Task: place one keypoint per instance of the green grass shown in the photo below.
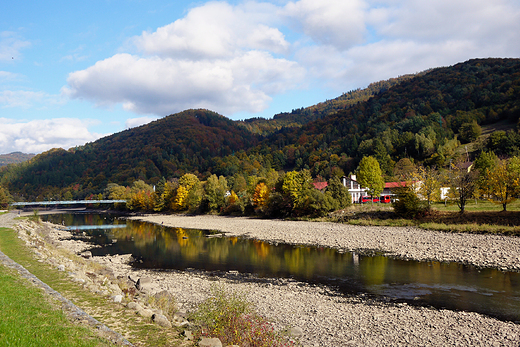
(479, 206)
(115, 316)
(28, 318)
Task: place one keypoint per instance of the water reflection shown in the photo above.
(452, 285)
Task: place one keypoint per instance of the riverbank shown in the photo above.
(324, 317)
(481, 250)
(328, 319)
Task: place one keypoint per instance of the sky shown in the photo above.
(72, 72)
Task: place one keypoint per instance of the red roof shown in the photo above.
(320, 185)
(395, 184)
(398, 184)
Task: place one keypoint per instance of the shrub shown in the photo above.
(231, 318)
(408, 203)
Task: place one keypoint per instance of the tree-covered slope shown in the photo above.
(14, 158)
(424, 118)
(301, 116)
(416, 118)
(168, 147)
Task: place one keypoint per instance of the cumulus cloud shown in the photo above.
(39, 135)
(237, 58)
(330, 22)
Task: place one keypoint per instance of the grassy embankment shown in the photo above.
(479, 217)
(27, 318)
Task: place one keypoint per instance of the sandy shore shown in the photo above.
(329, 319)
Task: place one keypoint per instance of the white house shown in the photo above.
(355, 190)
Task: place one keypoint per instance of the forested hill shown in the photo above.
(425, 117)
(417, 118)
(301, 116)
(14, 158)
(168, 147)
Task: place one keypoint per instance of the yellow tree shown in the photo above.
(504, 182)
(261, 196)
(186, 184)
(179, 203)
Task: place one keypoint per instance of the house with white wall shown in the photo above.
(354, 188)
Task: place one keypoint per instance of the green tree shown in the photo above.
(485, 162)
(297, 185)
(469, 132)
(504, 181)
(339, 193)
(215, 193)
(463, 182)
(428, 184)
(5, 198)
(369, 176)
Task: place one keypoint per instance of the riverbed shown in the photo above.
(325, 317)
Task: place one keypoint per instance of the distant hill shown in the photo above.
(419, 117)
(14, 158)
(302, 116)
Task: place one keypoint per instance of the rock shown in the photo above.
(161, 320)
(61, 267)
(118, 298)
(146, 313)
(210, 342)
(296, 332)
(179, 321)
(134, 306)
(86, 254)
(188, 335)
(144, 283)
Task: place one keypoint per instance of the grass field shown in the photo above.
(29, 318)
(479, 217)
(19, 325)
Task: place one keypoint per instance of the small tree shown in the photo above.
(504, 181)
(429, 184)
(463, 182)
(5, 198)
(339, 193)
(369, 175)
(261, 196)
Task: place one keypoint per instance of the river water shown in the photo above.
(442, 285)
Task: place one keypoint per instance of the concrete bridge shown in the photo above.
(66, 203)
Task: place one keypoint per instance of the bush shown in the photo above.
(232, 319)
(408, 203)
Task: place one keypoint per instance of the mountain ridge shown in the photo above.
(420, 117)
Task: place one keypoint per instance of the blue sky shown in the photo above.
(72, 72)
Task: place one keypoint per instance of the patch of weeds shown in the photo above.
(231, 318)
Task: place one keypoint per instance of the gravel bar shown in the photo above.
(481, 250)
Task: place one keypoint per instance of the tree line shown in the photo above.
(273, 195)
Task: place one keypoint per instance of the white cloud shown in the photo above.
(163, 86)
(135, 122)
(39, 135)
(219, 57)
(330, 22)
(10, 45)
(237, 58)
(27, 99)
(215, 30)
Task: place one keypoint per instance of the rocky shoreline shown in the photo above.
(321, 316)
